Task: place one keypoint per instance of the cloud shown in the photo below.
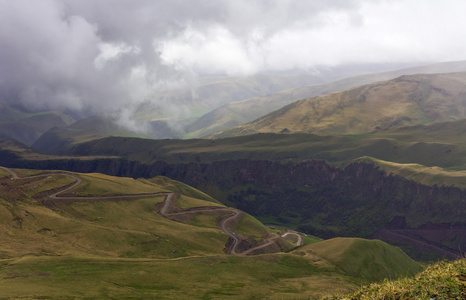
(91, 56)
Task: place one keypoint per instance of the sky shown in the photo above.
(95, 56)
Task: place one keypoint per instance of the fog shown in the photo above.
(96, 56)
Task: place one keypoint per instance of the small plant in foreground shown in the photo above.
(443, 280)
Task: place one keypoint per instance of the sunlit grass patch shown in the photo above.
(443, 280)
(185, 202)
(251, 226)
(208, 277)
(100, 184)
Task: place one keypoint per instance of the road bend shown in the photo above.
(224, 225)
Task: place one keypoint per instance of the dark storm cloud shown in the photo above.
(94, 56)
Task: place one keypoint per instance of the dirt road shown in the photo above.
(226, 224)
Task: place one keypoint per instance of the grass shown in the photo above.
(443, 280)
(216, 277)
(179, 187)
(47, 183)
(309, 239)
(100, 184)
(404, 101)
(370, 259)
(125, 249)
(421, 174)
(185, 202)
(251, 226)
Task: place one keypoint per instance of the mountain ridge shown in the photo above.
(405, 101)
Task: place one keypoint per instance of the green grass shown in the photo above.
(309, 239)
(125, 249)
(100, 184)
(179, 187)
(434, 145)
(443, 280)
(48, 183)
(185, 202)
(419, 173)
(370, 259)
(216, 277)
(251, 226)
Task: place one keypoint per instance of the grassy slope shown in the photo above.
(240, 112)
(134, 252)
(374, 260)
(213, 92)
(439, 144)
(443, 280)
(407, 100)
(28, 127)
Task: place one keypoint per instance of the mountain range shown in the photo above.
(362, 163)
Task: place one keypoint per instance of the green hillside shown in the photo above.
(438, 144)
(241, 112)
(60, 248)
(371, 259)
(404, 101)
(444, 280)
(27, 127)
(208, 93)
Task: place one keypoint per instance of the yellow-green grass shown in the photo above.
(122, 228)
(310, 239)
(100, 184)
(28, 172)
(216, 277)
(421, 174)
(4, 173)
(370, 259)
(204, 220)
(126, 228)
(408, 100)
(124, 248)
(185, 202)
(251, 226)
(41, 184)
(139, 218)
(443, 280)
(179, 187)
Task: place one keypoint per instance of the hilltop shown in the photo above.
(244, 111)
(404, 101)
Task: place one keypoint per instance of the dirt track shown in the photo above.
(226, 223)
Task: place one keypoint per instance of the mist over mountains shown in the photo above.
(269, 149)
(84, 59)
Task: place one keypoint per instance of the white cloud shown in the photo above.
(98, 56)
(215, 50)
(110, 51)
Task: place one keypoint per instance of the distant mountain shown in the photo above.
(27, 127)
(240, 112)
(94, 128)
(404, 101)
(213, 92)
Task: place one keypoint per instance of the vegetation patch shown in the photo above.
(251, 226)
(370, 259)
(443, 280)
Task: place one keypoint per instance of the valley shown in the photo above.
(62, 231)
(377, 171)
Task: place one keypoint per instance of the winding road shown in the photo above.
(225, 224)
(231, 215)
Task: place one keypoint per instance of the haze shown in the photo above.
(92, 57)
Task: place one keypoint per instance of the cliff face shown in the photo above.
(317, 198)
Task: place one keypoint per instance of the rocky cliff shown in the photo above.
(315, 197)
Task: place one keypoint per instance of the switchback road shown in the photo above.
(226, 224)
